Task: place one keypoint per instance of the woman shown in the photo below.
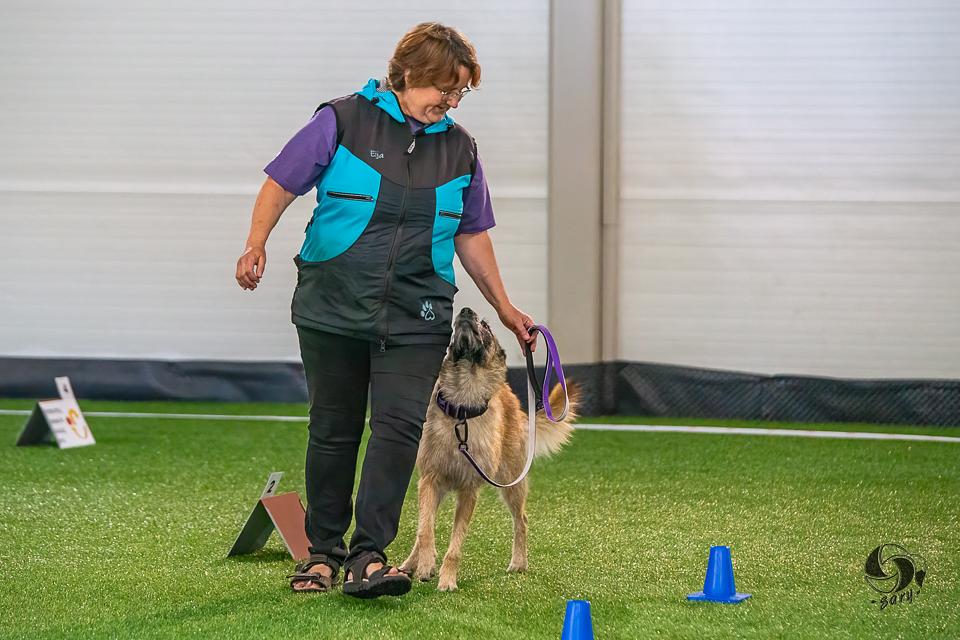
(400, 188)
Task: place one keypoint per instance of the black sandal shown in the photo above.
(303, 574)
(377, 583)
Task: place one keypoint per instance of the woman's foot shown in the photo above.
(373, 566)
(369, 577)
(322, 582)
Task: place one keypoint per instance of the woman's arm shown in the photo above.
(475, 251)
(271, 202)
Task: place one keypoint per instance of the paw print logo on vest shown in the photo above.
(426, 311)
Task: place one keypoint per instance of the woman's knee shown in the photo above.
(336, 426)
(396, 430)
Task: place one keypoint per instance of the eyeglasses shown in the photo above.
(447, 96)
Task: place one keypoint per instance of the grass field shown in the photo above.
(128, 538)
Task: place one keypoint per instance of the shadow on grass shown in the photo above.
(262, 556)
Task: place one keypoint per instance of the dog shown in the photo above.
(474, 374)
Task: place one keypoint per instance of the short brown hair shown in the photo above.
(432, 53)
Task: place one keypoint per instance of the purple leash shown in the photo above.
(553, 366)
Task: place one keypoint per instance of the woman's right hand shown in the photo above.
(271, 203)
(250, 267)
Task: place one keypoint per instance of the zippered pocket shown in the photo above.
(450, 214)
(359, 197)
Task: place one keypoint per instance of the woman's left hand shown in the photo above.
(520, 323)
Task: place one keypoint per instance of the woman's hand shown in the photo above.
(250, 267)
(520, 323)
(271, 202)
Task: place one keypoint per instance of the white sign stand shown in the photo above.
(57, 420)
(283, 512)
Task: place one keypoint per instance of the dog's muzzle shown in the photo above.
(467, 340)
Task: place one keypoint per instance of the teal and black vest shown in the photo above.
(377, 260)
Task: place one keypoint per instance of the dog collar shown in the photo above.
(460, 412)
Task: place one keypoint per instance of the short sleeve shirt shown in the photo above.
(301, 162)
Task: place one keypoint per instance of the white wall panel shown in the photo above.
(790, 185)
(132, 142)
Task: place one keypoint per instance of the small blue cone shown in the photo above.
(718, 585)
(577, 624)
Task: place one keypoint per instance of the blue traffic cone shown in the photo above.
(577, 624)
(718, 585)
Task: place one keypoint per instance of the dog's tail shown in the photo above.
(551, 436)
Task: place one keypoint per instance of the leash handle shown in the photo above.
(554, 367)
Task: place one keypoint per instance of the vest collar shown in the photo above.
(459, 412)
(387, 100)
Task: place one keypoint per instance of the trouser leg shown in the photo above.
(401, 384)
(337, 370)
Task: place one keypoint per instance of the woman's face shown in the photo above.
(428, 104)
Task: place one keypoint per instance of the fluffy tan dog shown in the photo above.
(474, 374)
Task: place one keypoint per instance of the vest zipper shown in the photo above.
(393, 248)
(350, 196)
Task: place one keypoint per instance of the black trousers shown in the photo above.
(339, 371)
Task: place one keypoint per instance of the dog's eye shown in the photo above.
(483, 323)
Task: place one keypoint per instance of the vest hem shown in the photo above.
(398, 339)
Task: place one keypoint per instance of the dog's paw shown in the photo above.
(426, 572)
(447, 584)
(517, 567)
(409, 565)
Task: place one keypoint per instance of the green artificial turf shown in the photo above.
(128, 538)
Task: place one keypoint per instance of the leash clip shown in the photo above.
(462, 437)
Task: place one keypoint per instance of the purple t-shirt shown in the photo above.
(299, 165)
